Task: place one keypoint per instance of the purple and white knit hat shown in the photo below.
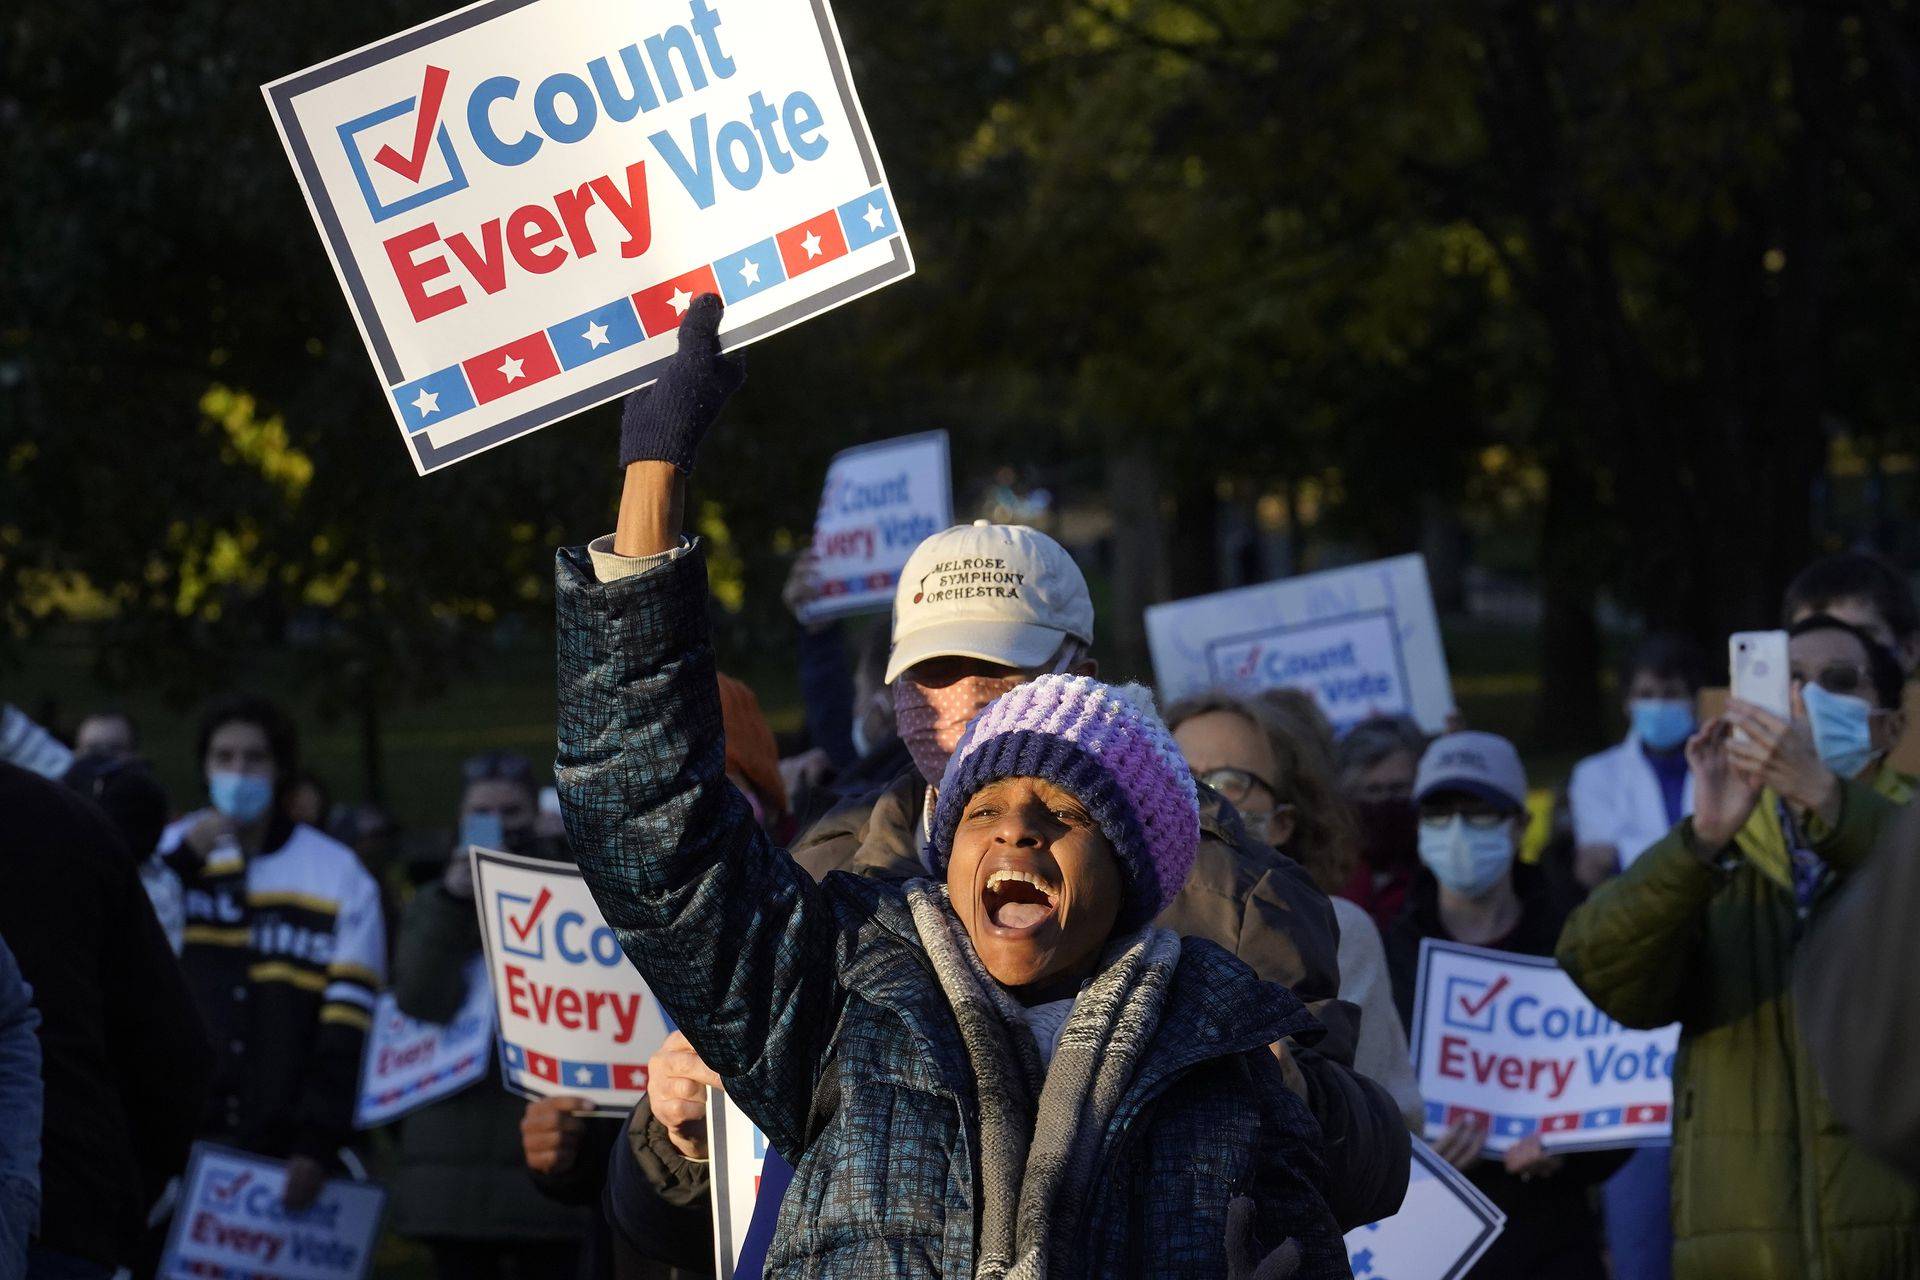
(1107, 746)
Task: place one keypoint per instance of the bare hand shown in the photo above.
(207, 831)
(677, 1083)
(1527, 1159)
(1460, 1145)
(1723, 797)
(1780, 754)
(1290, 1069)
(550, 1133)
(457, 879)
(803, 586)
(808, 769)
(305, 1177)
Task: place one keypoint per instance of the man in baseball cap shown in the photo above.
(984, 608)
(980, 609)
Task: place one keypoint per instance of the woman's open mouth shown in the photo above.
(1019, 901)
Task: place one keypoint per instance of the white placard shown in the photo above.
(574, 1017)
(880, 501)
(1442, 1228)
(739, 1152)
(521, 197)
(1507, 1041)
(230, 1222)
(1364, 641)
(409, 1063)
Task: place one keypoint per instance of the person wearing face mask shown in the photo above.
(1622, 801)
(284, 948)
(460, 1187)
(1627, 797)
(1471, 790)
(1375, 762)
(1706, 930)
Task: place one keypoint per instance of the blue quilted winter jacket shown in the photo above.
(819, 1008)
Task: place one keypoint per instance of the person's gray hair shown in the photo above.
(1371, 741)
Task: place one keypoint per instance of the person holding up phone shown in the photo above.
(1703, 930)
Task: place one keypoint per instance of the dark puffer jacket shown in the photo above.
(820, 1009)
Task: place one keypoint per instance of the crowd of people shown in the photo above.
(1021, 973)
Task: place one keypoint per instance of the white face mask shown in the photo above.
(1466, 859)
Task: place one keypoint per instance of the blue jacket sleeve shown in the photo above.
(738, 943)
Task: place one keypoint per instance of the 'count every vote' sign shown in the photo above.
(522, 198)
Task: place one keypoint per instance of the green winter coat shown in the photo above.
(1766, 1183)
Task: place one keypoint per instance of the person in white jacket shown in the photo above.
(1623, 800)
(1634, 792)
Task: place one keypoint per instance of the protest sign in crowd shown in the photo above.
(1001, 969)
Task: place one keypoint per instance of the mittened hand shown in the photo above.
(667, 421)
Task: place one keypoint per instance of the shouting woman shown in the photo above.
(999, 1070)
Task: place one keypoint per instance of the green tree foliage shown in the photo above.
(1651, 254)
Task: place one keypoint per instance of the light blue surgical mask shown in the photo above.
(1661, 723)
(240, 796)
(483, 829)
(1466, 859)
(1842, 730)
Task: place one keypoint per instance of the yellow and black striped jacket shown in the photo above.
(284, 951)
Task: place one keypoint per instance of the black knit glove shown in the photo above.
(667, 421)
(1243, 1254)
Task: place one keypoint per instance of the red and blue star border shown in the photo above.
(648, 313)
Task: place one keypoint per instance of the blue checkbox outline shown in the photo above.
(1474, 986)
(506, 938)
(457, 181)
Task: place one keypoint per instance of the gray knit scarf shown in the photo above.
(1037, 1158)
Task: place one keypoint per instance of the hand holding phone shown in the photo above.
(1762, 673)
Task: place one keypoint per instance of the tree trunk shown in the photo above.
(1568, 712)
(1139, 560)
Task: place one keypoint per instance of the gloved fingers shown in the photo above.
(700, 327)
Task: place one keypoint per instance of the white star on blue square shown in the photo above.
(753, 269)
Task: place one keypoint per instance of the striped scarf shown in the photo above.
(1041, 1131)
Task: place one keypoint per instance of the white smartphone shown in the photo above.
(1762, 674)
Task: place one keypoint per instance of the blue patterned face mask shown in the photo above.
(1661, 723)
(1842, 730)
(240, 796)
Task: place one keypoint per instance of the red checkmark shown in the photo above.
(524, 926)
(428, 115)
(1475, 1008)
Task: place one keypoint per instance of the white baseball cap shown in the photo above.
(998, 592)
(1480, 764)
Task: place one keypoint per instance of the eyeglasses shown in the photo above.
(1479, 819)
(1237, 784)
(1260, 825)
(1838, 677)
(502, 766)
